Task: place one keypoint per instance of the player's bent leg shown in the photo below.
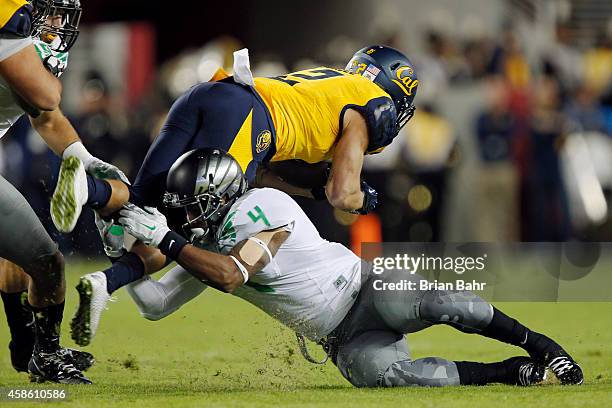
(382, 359)
(469, 313)
(158, 299)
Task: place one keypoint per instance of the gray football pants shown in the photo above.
(371, 346)
(23, 239)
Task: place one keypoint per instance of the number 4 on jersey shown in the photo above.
(256, 214)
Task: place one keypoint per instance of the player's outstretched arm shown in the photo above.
(223, 272)
(343, 189)
(28, 78)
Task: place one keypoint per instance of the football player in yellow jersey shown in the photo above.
(313, 115)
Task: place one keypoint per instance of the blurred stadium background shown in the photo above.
(511, 140)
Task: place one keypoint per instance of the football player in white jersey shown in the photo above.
(35, 37)
(268, 252)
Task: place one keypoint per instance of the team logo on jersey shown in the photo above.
(263, 141)
(404, 80)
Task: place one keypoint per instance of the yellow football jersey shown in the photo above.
(307, 108)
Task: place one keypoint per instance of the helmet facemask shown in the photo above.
(405, 112)
(57, 22)
(201, 213)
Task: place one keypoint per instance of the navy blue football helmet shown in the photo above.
(393, 72)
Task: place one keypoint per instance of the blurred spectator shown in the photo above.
(497, 199)
(545, 215)
(585, 112)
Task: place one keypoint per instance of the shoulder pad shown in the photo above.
(20, 21)
(381, 119)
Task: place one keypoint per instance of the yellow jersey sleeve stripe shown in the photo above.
(242, 146)
(8, 8)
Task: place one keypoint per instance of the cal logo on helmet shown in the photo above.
(404, 79)
(263, 141)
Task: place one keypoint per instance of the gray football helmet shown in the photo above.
(204, 183)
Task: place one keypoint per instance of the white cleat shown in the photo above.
(70, 194)
(93, 298)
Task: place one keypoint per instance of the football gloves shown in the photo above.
(112, 236)
(370, 199)
(147, 225)
(94, 166)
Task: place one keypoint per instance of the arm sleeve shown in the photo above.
(11, 46)
(158, 299)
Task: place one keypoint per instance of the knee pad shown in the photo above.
(463, 310)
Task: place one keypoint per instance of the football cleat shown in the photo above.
(524, 371)
(93, 298)
(70, 194)
(81, 360)
(564, 367)
(53, 367)
(112, 236)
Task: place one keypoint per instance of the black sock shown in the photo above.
(127, 269)
(99, 192)
(509, 330)
(19, 318)
(472, 373)
(47, 325)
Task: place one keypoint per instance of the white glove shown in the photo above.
(148, 226)
(103, 170)
(93, 165)
(55, 62)
(112, 236)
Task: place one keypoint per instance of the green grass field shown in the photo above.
(221, 351)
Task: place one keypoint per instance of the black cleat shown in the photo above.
(524, 371)
(53, 367)
(564, 367)
(81, 360)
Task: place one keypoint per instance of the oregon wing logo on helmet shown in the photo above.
(393, 72)
(204, 183)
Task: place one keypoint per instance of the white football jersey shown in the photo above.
(9, 110)
(311, 283)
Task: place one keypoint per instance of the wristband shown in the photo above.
(241, 268)
(79, 151)
(172, 244)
